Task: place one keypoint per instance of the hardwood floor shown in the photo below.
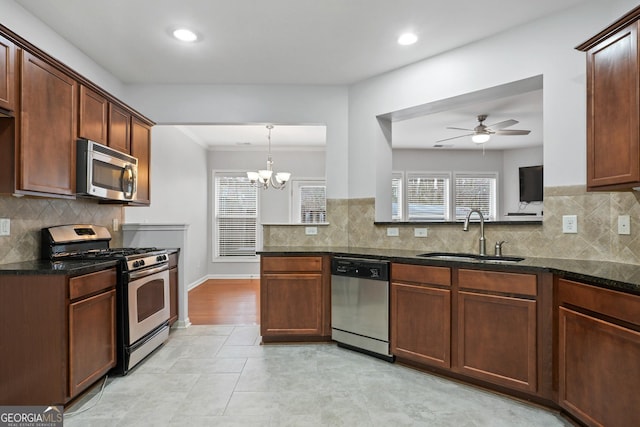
(225, 302)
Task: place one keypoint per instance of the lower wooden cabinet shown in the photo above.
(421, 314)
(59, 333)
(294, 298)
(598, 354)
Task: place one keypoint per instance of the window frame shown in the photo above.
(296, 200)
(494, 202)
(447, 196)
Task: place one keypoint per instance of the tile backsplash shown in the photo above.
(597, 237)
(29, 214)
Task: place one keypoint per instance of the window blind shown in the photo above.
(396, 197)
(236, 207)
(475, 192)
(427, 197)
(313, 203)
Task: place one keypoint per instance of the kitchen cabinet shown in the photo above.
(598, 354)
(47, 130)
(61, 334)
(421, 314)
(92, 329)
(141, 149)
(173, 288)
(295, 298)
(92, 117)
(613, 112)
(7, 75)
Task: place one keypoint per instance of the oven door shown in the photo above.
(148, 301)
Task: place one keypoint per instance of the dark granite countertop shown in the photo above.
(40, 267)
(612, 275)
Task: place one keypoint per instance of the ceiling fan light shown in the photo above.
(480, 138)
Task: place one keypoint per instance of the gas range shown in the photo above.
(91, 242)
(142, 291)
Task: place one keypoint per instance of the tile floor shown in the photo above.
(222, 376)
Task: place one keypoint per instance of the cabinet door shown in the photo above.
(497, 339)
(291, 304)
(119, 129)
(613, 112)
(421, 324)
(47, 129)
(599, 370)
(92, 117)
(7, 74)
(141, 149)
(92, 340)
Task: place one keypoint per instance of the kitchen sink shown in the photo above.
(454, 256)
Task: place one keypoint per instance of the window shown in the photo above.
(476, 191)
(236, 216)
(434, 196)
(397, 200)
(309, 201)
(427, 196)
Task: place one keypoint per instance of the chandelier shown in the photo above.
(266, 177)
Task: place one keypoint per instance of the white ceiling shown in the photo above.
(278, 41)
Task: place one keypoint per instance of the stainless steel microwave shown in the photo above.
(104, 172)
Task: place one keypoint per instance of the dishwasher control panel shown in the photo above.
(373, 269)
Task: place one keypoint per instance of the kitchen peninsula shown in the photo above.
(520, 328)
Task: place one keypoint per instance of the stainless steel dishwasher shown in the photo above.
(360, 305)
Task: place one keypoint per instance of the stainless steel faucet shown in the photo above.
(465, 227)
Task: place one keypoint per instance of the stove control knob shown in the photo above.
(136, 264)
(161, 258)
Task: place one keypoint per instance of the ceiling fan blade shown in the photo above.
(455, 137)
(513, 132)
(469, 130)
(504, 124)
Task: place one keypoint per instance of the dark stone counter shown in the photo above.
(43, 267)
(612, 275)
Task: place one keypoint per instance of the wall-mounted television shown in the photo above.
(531, 183)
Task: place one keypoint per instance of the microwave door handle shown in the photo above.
(128, 181)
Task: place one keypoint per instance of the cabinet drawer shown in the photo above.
(618, 305)
(291, 264)
(421, 274)
(494, 281)
(91, 283)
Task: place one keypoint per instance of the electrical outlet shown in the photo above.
(311, 231)
(5, 227)
(393, 232)
(569, 223)
(420, 232)
(116, 224)
(624, 224)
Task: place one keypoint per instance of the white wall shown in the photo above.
(179, 195)
(21, 22)
(543, 47)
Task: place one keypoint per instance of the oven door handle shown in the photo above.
(142, 273)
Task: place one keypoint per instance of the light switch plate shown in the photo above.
(5, 227)
(420, 232)
(624, 224)
(569, 223)
(311, 231)
(393, 231)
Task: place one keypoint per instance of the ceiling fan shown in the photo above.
(482, 133)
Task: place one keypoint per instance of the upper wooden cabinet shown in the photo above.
(119, 129)
(7, 74)
(47, 131)
(613, 110)
(141, 149)
(92, 117)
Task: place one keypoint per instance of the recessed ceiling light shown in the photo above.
(407, 38)
(185, 35)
